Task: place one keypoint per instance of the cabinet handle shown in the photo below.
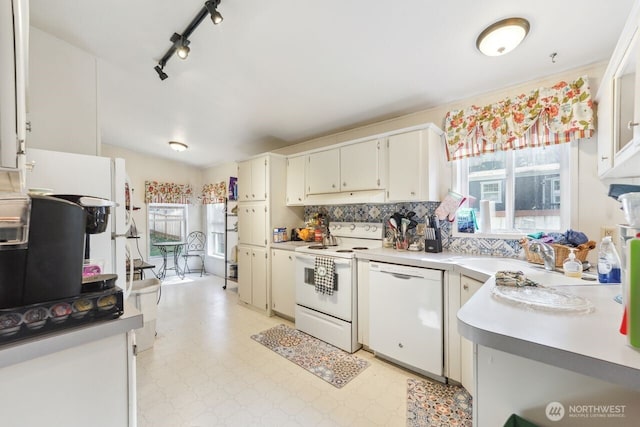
(632, 124)
(254, 254)
(604, 157)
(333, 186)
(253, 195)
(299, 199)
(465, 287)
(344, 184)
(413, 193)
(290, 257)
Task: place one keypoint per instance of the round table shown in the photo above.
(166, 247)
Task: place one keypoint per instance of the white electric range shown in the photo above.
(333, 317)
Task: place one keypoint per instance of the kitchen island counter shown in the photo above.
(69, 375)
(43, 345)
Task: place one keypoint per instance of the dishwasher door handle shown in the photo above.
(401, 275)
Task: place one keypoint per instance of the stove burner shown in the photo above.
(360, 248)
(344, 250)
(317, 247)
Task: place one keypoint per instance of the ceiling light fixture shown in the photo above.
(212, 7)
(178, 146)
(183, 49)
(181, 42)
(160, 72)
(503, 36)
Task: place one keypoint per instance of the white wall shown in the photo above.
(62, 102)
(141, 168)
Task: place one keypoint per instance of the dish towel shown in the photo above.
(323, 272)
(514, 278)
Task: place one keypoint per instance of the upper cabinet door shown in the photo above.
(414, 166)
(323, 172)
(405, 152)
(360, 166)
(259, 178)
(252, 179)
(295, 180)
(244, 181)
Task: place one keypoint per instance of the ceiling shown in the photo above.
(278, 72)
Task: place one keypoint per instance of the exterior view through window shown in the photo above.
(216, 227)
(167, 223)
(523, 186)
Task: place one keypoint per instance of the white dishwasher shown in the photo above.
(406, 316)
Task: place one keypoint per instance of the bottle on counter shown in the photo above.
(632, 300)
(571, 266)
(609, 265)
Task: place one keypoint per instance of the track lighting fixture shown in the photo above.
(181, 42)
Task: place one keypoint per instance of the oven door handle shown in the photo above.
(312, 258)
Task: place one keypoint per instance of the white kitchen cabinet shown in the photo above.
(414, 165)
(295, 180)
(14, 30)
(468, 287)
(256, 221)
(252, 179)
(360, 166)
(252, 224)
(323, 172)
(252, 271)
(283, 289)
(619, 106)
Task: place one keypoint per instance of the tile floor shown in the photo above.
(205, 370)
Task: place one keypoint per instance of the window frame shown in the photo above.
(568, 192)
(184, 222)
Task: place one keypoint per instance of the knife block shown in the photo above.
(434, 245)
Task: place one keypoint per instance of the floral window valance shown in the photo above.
(546, 116)
(214, 193)
(167, 192)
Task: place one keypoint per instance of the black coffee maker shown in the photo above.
(41, 249)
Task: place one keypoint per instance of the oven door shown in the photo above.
(340, 303)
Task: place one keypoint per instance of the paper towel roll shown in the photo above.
(485, 216)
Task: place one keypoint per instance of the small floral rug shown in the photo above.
(333, 365)
(434, 404)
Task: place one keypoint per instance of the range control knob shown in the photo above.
(375, 228)
(367, 227)
(352, 227)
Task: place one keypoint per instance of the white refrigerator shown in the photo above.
(69, 173)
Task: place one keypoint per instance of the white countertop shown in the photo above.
(586, 343)
(290, 245)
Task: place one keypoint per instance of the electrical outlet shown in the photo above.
(609, 231)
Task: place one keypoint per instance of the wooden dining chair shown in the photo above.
(195, 247)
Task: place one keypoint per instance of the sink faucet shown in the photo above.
(547, 253)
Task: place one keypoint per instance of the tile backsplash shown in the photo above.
(381, 212)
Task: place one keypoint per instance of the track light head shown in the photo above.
(183, 48)
(216, 17)
(211, 6)
(160, 72)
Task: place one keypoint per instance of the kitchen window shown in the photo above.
(529, 189)
(167, 223)
(216, 228)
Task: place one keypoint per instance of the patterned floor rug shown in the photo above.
(434, 404)
(333, 365)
